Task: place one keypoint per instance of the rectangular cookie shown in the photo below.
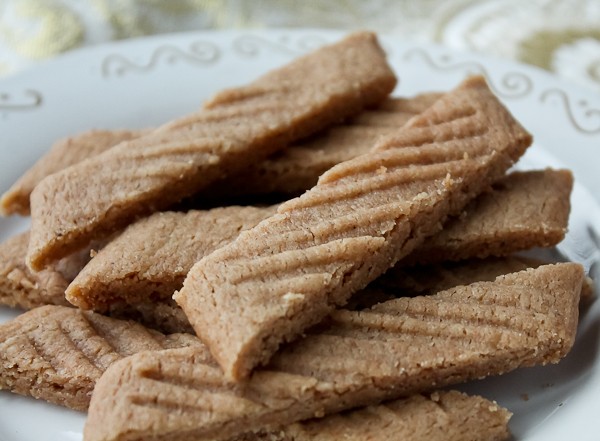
(22, 288)
(423, 280)
(131, 262)
(104, 193)
(291, 270)
(57, 354)
(296, 169)
(524, 207)
(440, 416)
(25, 289)
(167, 316)
(290, 171)
(63, 153)
(395, 349)
(151, 258)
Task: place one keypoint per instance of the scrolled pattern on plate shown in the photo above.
(512, 84)
(28, 100)
(198, 53)
(588, 113)
(574, 383)
(252, 45)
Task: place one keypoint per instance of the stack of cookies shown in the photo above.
(371, 264)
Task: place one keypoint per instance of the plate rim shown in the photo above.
(88, 50)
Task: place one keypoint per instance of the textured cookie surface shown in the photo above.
(57, 353)
(527, 208)
(365, 214)
(296, 169)
(288, 172)
(441, 416)
(429, 279)
(395, 349)
(62, 154)
(150, 259)
(239, 126)
(65, 371)
(131, 261)
(22, 288)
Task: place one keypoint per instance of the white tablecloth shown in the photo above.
(558, 35)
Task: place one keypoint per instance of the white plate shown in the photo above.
(145, 82)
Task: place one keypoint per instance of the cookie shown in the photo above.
(395, 349)
(511, 210)
(57, 354)
(296, 169)
(25, 289)
(402, 281)
(150, 259)
(63, 153)
(288, 172)
(65, 370)
(22, 288)
(291, 270)
(134, 267)
(440, 416)
(237, 127)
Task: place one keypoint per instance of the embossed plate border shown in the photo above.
(144, 82)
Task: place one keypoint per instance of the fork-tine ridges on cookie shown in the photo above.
(428, 279)
(117, 272)
(296, 169)
(395, 349)
(166, 316)
(365, 214)
(57, 353)
(63, 153)
(436, 414)
(151, 258)
(288, 172)
(239, 126)
(440, 416)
